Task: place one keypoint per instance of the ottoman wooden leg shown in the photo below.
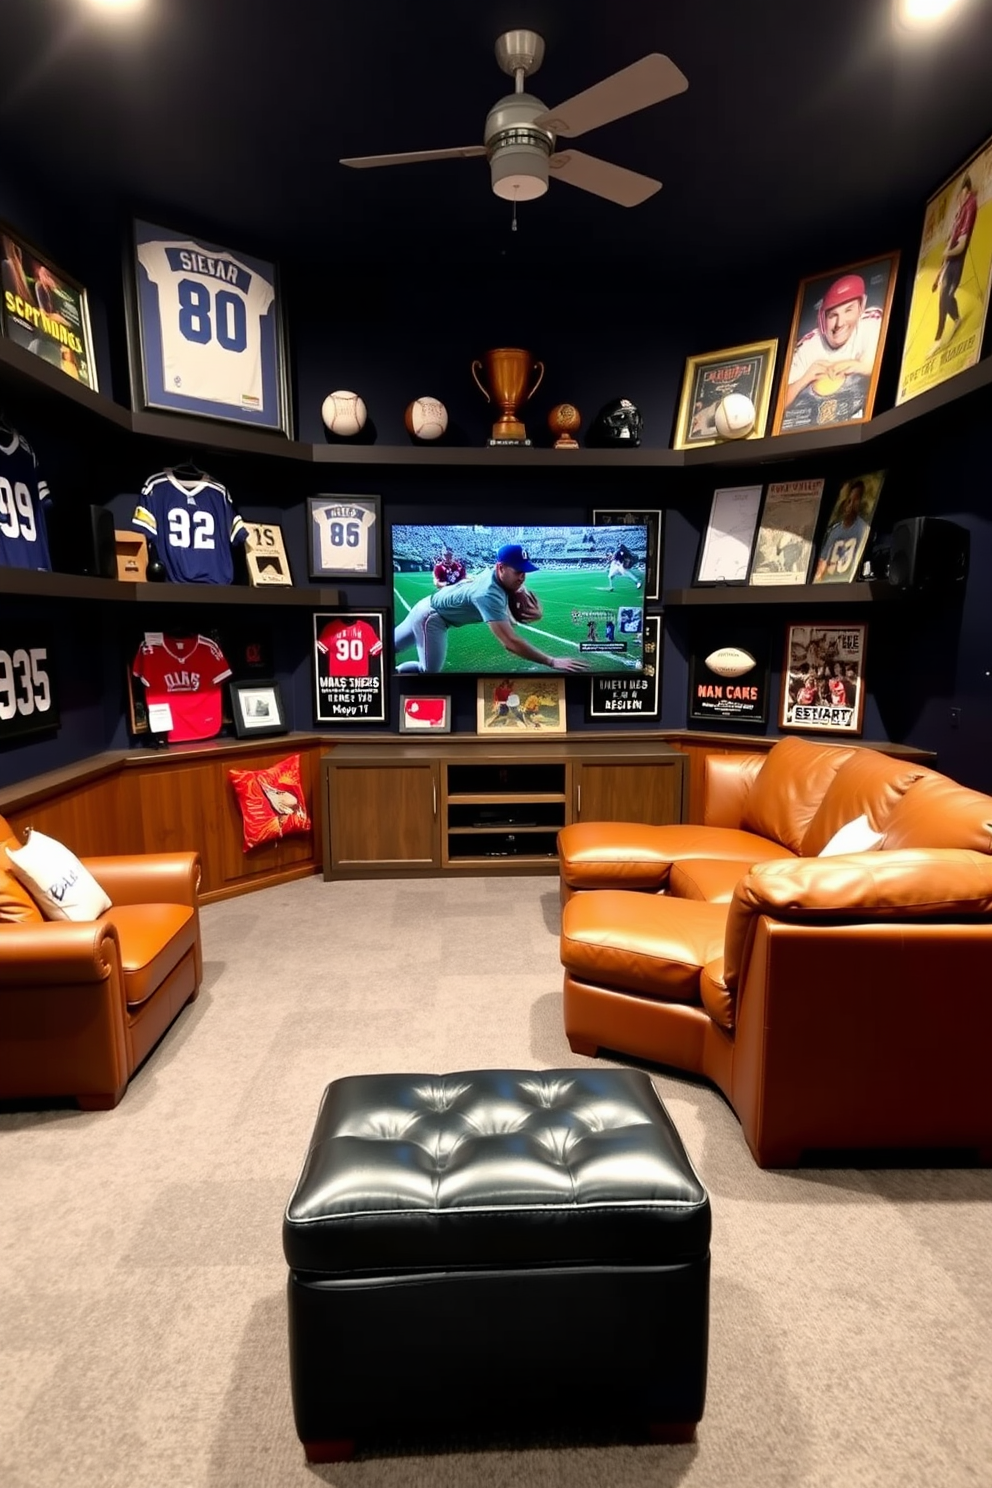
(672, 1433)
(338, 1449)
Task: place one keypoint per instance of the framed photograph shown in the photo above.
(44, 309)
(256, 708)
(349, 667)
(953, 279)
(425, 715)
(265, 555)
(848, 526)
(784, 546)
(651, 561)
(635, 696)
(344, 537)
(709, 379)
(725, 552)
(728, 674)
(28, 696)
(517, 706)
(834, 354)
(205, 330)
(823, 678)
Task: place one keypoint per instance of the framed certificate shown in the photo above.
(205, 330)
(344, 537)
(725, 552)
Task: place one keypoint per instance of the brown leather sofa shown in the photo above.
(83, 1003)
(838, 1003)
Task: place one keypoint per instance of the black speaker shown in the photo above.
(81, 539)
(928, 553)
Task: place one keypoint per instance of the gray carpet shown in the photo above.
(142, 1311)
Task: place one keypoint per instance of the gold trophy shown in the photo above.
(564, 420)
(508, 370)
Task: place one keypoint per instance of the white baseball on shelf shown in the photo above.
(426, 418)
(734, 416)
(730, 661)
(343, 413)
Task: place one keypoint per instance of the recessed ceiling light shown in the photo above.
(115, 5)
(918, 13)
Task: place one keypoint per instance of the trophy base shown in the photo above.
(491, 443)
(565, 441)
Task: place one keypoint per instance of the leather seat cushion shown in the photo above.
(630, 855)
(937, 812)
(654, 946)
(154, 939)
(710, 879)
(868, 784)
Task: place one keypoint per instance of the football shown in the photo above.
(525, 606)
(343, 413)
(734, 416)
(426, 418)
(730, 661)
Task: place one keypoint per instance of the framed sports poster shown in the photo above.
(205, 330)
(649, 561)
(784, 545)
(848, 525)
(823, 678)
(344, 537)
(265, 555)
(28, 701)
(709, 379)
(834, 353)
(349, 667)
(515, 706)
(637, 695)
(725, 552)
(44, 309)
(425, 715)
(953, 278)
(728, 674)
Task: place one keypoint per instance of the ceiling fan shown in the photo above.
(521, 133)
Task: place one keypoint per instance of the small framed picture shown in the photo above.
(265, 555)
(205, 330)
(725, 552)
(709, 379)
(44, 309)
(344, 537)
(784, 547)
(349, 666)
(650, 562)
(835, 347)
(639, 694)
(823, 678)
(728, 674)
(515, 707)
(848, 526)
(425, 715)
(257, 709)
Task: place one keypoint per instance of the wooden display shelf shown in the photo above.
(828, 595)
(31, 581)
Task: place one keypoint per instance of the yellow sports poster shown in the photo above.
(951, 288)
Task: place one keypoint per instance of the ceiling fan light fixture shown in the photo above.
(520, 172)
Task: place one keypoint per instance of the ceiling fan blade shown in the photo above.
(651, 80)
(602, 178)
(414, 157)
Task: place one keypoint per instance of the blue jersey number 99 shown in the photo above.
(228, 321)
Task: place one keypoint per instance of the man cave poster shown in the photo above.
(728, 676)
(348, 662)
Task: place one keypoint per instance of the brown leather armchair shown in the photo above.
(83, 1003)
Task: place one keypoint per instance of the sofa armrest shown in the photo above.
(148, 878)
(58, 952)
(727, 780)
(911, 884)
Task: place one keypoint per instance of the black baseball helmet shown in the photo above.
(617, 422)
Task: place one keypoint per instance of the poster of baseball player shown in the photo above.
(834, 352)
(823, 678)
(953, 276)
(349, 667)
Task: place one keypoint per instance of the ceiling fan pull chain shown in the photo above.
(513, 224)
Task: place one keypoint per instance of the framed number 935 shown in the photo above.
(28, 701)
(344, 537)
(205, 330)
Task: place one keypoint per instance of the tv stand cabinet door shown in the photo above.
(382, 819)
(649, 791)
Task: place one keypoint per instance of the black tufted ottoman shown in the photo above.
(504, 1250)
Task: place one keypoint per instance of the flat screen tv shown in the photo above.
(449, 585)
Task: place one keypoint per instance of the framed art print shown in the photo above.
(834, 353)
(709, 379)
(425, 715)
(725, 551)
(823, 678)
(265, 555)
(206, 332)
(784, 545)
(651, 560)
(344, 537)
(848, 525)
(44, 309)
(257, 709)
(637, 695)
(728, 674)
(514, 707)
(950, 297)
(349, 667)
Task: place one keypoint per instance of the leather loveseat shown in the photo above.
(83, 1002)
(838, 1002)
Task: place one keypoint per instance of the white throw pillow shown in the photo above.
(854, 837)
(55, 878)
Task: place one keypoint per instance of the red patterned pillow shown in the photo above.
(272, 802)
